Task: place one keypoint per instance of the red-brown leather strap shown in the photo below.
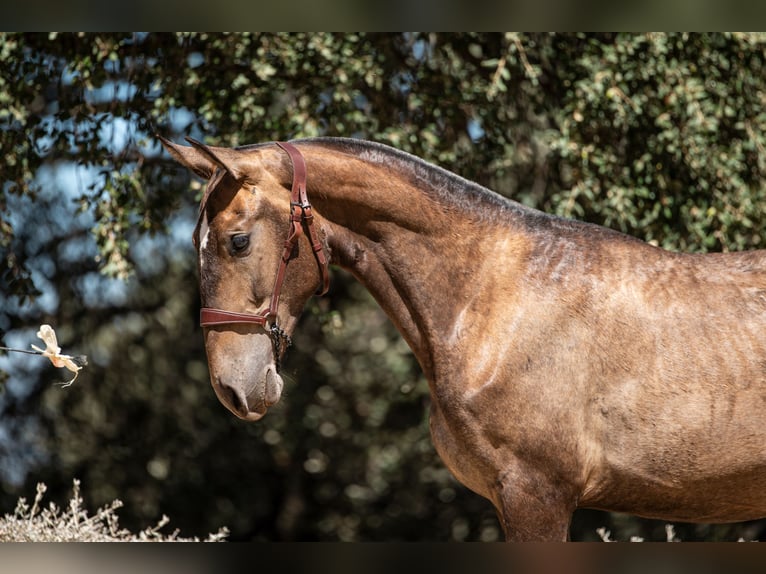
(299, 198)
(209, 316)
(300, 214)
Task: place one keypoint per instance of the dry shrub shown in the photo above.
(54, 524)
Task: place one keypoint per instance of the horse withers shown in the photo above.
(569, 365)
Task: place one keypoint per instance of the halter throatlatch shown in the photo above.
(301, 219)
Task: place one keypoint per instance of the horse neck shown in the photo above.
(422, 260)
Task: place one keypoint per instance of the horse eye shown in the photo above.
(240, 242)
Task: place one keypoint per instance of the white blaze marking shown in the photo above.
(205, 233)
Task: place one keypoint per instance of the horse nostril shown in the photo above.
(232, 399)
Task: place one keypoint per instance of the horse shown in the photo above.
(569, 365)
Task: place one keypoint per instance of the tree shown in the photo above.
(660, 136)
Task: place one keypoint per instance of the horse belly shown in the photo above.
(691, 449)
(730, 497)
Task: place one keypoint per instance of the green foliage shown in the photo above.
(663, 137)
(658, 135)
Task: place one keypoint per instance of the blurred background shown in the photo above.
(662, 136)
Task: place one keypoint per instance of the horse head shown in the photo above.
(251, 297)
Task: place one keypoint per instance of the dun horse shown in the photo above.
(569, 365)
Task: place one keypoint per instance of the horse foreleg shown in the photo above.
(532, 508)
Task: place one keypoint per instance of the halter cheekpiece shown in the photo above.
(301, 221)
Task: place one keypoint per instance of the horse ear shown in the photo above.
(190, 157)
(204, 159)
(224, 158)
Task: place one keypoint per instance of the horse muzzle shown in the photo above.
(250, 400)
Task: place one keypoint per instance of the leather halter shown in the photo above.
(300, 218)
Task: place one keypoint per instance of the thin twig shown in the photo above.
(531, 73)
(496, 78)
(21, 351)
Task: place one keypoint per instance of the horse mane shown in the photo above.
(446, 187)
(457, 192)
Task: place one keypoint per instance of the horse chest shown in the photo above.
(462, 453)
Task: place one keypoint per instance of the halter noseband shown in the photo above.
(300, 217)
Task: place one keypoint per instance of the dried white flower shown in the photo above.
(53, 352)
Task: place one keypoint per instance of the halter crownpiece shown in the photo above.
(300, 217)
